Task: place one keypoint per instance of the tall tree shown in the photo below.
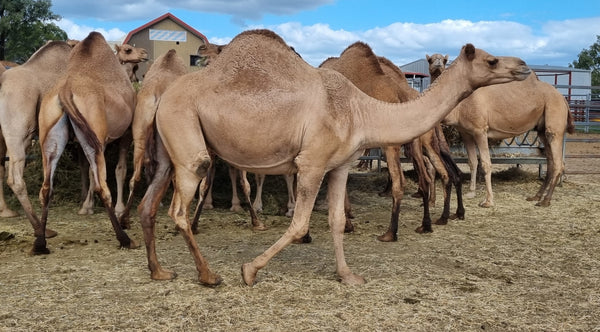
(25, 25)
(590, 59)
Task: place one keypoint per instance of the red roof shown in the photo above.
(163, 17)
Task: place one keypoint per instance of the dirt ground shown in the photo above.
(512, 267)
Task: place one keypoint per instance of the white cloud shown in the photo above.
(79, 32)
(558, 43)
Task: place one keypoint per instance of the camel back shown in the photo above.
(258, 61)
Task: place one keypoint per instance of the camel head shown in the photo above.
(484, 69)
(127, 53)
(208, 53)
(437, 64)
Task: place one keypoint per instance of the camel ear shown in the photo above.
(469, 50)
(446, 58)
(117, 48)
(427, 57)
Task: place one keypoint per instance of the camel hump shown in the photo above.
(262, 33)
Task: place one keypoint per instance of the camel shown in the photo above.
(508, 110)
(96, 100)
(127, 56)
(380, 78)
(323, 124)
(208, 53)
(428, 151)
(21, 90)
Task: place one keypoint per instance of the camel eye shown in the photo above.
(493, 62)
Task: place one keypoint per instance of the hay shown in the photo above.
(513, 267)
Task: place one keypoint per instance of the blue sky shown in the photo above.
(541, 32)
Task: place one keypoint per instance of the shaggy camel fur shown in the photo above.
(508, 110)
(96, 100)
(323, 124)
(21, 90)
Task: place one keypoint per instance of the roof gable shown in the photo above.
(162, 18)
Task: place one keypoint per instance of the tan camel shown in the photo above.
(21, 90)
(323, 124)
(508, 110)
(96, 100)
(127, 55)
(208, 53)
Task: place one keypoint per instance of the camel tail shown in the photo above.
(66, 99)
(570, 120)
(453, 171)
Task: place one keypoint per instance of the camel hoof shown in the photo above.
(470, 194)
(349, 227)
(418, 194)
(424, 229)
(8, 213)
(259, 227)
(388, 237)
(85, 211)
(162, 274)
(212, 280)
(50, 233)
(533, 198)
(236, 208)
(207, 206)
(305, 239)
(486, 204)
(441, 221)
(289, 213)
(352, 279)
(131, 245)
(39, 251)
(249, 273)
(543, 203)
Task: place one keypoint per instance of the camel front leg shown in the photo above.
(471, 148)
(122, 210)
(257, 224)
(398, 182)
(289, 182)
(5, 212)
(308, 187)
(236, 205)
(336, 189)
(260, 181)
(486, 165)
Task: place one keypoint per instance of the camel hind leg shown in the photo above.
(148, 208)
(98, 169)
(186, 183)
(555, 166)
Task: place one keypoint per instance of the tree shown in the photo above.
(25, 26)
(590, 59)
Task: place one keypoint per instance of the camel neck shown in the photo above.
(399, 123)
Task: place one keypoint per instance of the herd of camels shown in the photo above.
(320, 120)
